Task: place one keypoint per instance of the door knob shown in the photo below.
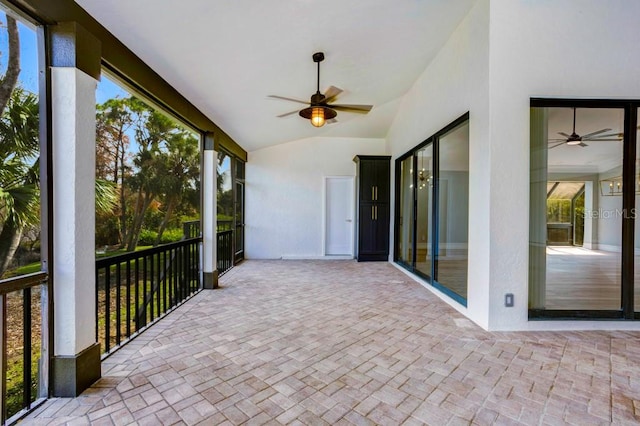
(348, 220)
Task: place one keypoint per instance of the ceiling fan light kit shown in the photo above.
(320, 110)
(318, 115)
(575, 139)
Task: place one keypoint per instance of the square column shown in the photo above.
(76, 361)
(209, 214)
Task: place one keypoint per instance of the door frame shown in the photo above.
(627, 309)
(352, 210)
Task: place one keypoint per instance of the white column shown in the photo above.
(73, 119)
(209, 214)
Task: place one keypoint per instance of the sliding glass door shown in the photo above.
(424, 200)
(432, 182)
(583, 190)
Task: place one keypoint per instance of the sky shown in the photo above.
(107, 89)
(28, 78)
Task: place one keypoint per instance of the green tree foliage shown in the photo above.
(158, 182)
(19, 172)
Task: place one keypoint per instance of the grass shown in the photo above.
(36, 266)
(119, 252)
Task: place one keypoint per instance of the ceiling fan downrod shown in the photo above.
(317, 58)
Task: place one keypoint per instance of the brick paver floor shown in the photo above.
(341, 342)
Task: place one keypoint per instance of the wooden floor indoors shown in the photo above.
(579, 278)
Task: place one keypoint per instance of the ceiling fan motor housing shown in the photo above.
(317, 98)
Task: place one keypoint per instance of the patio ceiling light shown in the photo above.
(318, 114)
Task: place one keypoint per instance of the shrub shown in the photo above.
(170, 235)
(147, 237)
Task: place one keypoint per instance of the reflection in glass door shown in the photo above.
(424, 199)
(405, 220)
(453, 209)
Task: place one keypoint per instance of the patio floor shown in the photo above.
(341, 342)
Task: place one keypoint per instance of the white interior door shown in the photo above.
(339, 205)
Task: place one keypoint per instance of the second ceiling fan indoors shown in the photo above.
(575, 139)
(320, 109)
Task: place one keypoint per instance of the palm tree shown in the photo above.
(19, 172)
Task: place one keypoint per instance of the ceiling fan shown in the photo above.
(575, 139)
(320, 109)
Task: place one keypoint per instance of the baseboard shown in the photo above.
(210, 280)
(310, 257)
(73, 374)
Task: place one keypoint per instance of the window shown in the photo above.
(147, 173)
(23, 231)
(584, 181)
(432, 183)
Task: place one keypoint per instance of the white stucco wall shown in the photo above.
(555, 49)
(504, 53)
(456, 82)
(284, 193)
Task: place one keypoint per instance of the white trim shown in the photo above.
(312, 257)
(609, 248)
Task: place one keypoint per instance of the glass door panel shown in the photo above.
(576, 170)
(453, 209)
(405, 230)
(424, 197)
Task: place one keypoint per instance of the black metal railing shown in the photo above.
(224, 225)
(135, 289)
(23, 344)
(191, 229)
(224, 251)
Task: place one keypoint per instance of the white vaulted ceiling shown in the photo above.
(226, 56)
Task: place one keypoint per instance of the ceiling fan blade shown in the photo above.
(288, 99)
(557, 145)
(595, 133)
(287, 114)
(359, 109)
(564, 134)
(331, 121)
(331, 93)
(582, 144)
(609, 135)
(604, 140)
